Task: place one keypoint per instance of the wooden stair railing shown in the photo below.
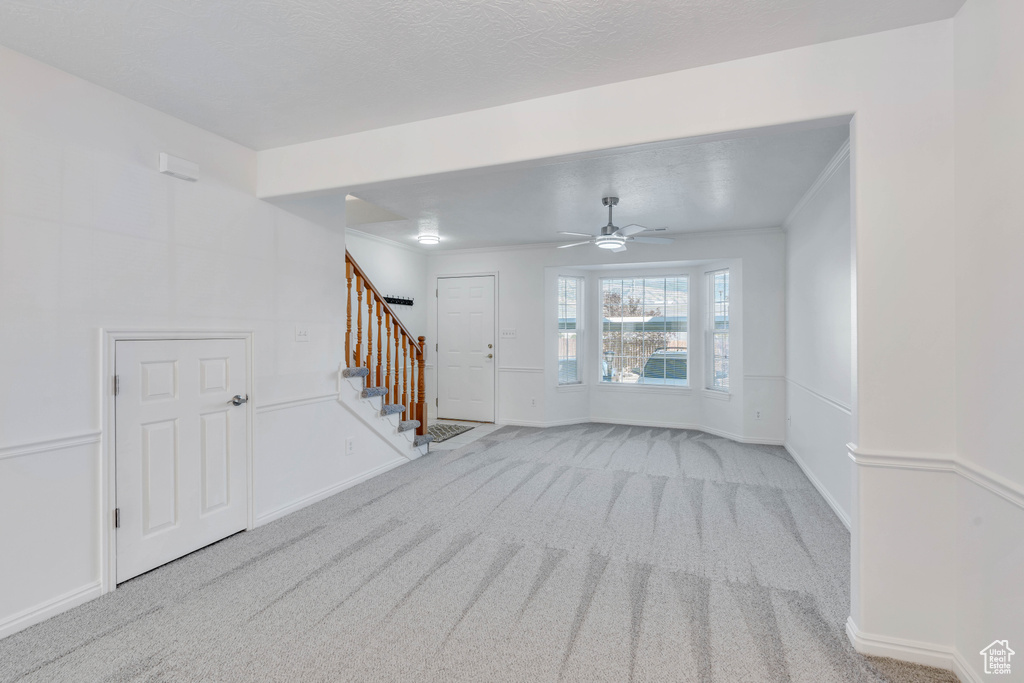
(405, 378)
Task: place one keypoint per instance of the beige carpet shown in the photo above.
(585, 553)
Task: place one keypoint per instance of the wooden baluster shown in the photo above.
(359, 318)
(348, 315)
(412, 379)
(397, 392)
(387, 373)
(405, 376)
(369, 336)
(380, 356)
(421, 402)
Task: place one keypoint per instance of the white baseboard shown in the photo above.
(963, 670)
(543, 425)
(61, 603)
(644, 423)
(316, 497)
(840, 513)
(916, 652)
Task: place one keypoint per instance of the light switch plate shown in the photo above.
(508, 333)
(302, 334)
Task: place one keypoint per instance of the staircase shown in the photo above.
(385, 390)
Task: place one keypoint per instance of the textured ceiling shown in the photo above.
(749, 181)
(272, 72)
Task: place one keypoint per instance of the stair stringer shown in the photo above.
(368, 412)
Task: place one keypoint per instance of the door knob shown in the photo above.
(490, 346)
(490, 355)
(238, 400)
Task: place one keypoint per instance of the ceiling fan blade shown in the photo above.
(628, 230)
(577, 234)
(653, 240)
(574, 244)
(616, 251)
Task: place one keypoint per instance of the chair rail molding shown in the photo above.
(49, 445)
(995, 483)
(821, 397)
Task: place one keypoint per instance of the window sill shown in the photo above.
(644, 388)
(717, 395)
(579, 386)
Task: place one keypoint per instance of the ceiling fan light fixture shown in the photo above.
(610, 241)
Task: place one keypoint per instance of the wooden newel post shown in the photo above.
(405, 376)
(421, 394)
(348, 316)
(387, 369)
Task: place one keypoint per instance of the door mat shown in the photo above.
(443, 432)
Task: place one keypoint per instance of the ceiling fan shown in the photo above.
(615, 238)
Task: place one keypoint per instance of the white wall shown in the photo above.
(92, 237)
(989, 326)
(819, 279)
(526, 366)
(898, 85)
(395, 269)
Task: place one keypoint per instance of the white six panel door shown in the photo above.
(180, 448)
(465, 348)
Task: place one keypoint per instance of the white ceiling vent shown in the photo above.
(179, 168)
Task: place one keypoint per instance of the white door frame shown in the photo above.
(497, 345)
(108, 480)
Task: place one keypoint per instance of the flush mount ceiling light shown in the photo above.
(428, 232)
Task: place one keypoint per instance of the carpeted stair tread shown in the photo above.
(355, 372)
(370, 392)
(406, 425)
(392, 409)
(422, 439)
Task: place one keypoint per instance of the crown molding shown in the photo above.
(387, 242)
(841, 156)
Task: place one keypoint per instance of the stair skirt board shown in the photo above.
(395, 431)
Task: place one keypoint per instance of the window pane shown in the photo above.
(644, 330)
(719, 326)
(568, 327)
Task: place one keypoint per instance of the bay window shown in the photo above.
(644, 330)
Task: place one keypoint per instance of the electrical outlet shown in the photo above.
(533, 403)
(757, 414)
(302, 334)
(350, 446)
(789, 420)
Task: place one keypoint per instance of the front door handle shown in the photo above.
(490, 355)
(238, 400)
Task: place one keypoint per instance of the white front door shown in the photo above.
(465, 348)
(180, 448)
